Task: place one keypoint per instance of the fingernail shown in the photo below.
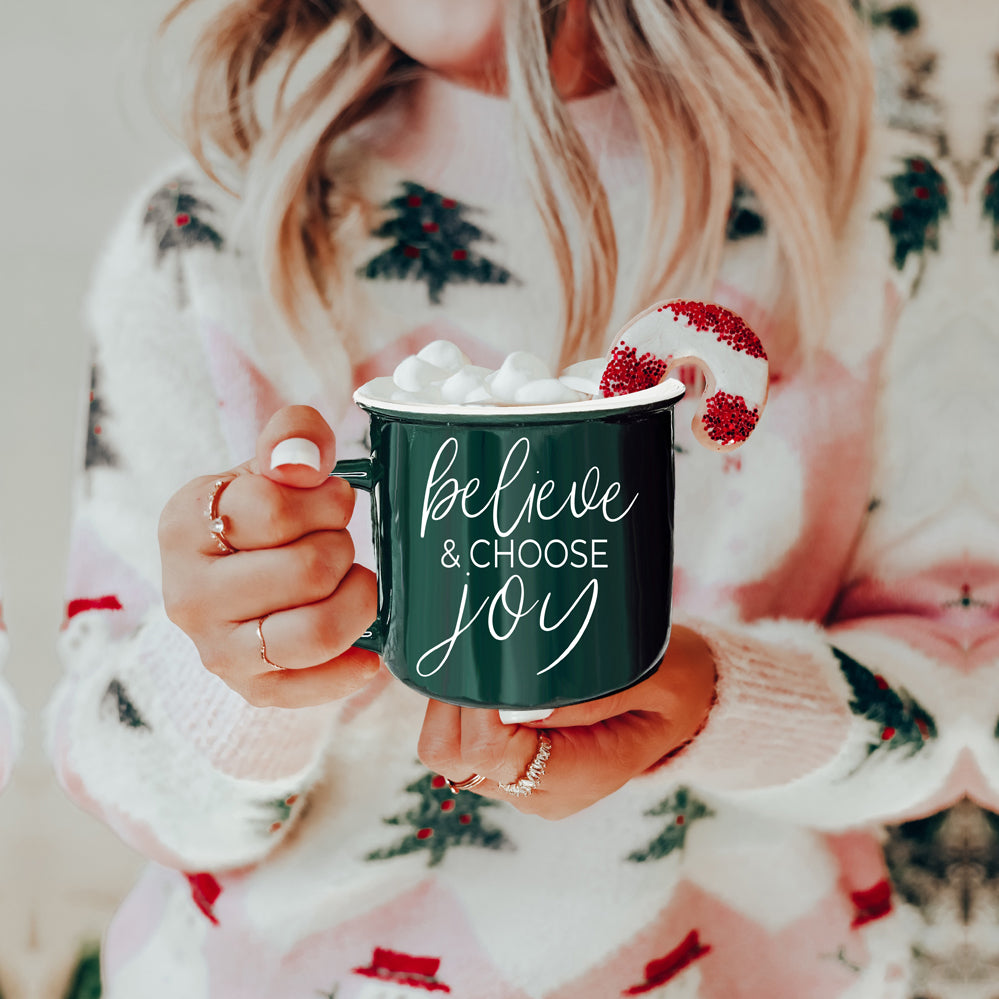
(295, 451)
(509, 717)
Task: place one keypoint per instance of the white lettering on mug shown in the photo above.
(586, 553)
(442, 492)
(459, 628)
(510, 600)
(510, 608)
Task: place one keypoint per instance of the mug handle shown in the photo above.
(361, 473)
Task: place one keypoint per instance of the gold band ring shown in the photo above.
(464, 785)
(263, 644)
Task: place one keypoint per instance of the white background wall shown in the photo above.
(76, 134)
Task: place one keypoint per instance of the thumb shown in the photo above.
(296, 447)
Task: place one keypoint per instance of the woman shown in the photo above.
(598, 156)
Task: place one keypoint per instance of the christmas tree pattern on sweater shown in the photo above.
(990, 206)
(99, 452)
(681, 809)
(900, 722)
(432, 242)
(913, 219)
(179, 220)
(117, 701)
(440, 820)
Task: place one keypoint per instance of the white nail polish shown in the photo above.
(512, 717)
(295, 451)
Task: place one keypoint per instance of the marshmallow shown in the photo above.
(584, 376)
(414, 375)
(441, 373)
(480, 397)
(514, 373)
(463, 383)
(443, 354)
(545, 392)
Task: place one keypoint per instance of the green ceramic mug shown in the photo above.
(524, 554)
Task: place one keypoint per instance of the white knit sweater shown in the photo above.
(826, 564)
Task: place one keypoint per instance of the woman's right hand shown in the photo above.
(293, 567)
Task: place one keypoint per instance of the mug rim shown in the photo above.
(669, 390)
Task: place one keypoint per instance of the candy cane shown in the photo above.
(734, 362)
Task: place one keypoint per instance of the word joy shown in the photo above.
(506, 609)
(443, 492)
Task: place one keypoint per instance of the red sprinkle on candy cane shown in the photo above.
(728, 419)
(726, 326)
(668, 335)
(627, 372)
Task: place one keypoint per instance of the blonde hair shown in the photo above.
(774, 95)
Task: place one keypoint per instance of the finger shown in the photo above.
(296, 447)
(252, 584)
(439, 745)
(260, 513)
(587, 763)
(302, 688)
(497, 751)
(459, 742)
(307, 636)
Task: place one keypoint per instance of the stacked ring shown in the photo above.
(217, 525)
(535, 770)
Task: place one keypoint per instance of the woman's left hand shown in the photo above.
(596, 747)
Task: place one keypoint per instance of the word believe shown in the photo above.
(442, 493)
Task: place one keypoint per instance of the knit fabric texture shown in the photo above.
(304, 853)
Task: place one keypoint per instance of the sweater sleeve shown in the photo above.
(875, 712)
(140, 732)
(829, 727)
